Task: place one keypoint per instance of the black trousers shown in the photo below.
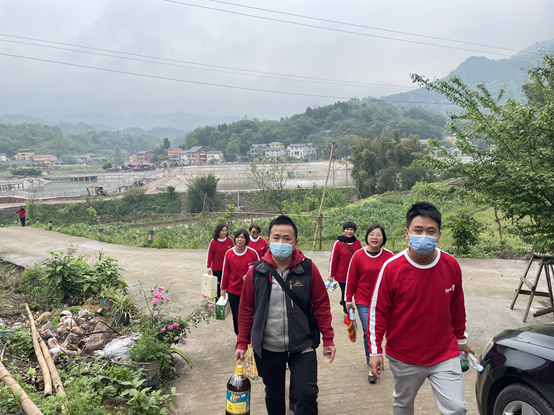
(342, 286)
(218, 274)
(22, 221)
(234, 302)
(303, 381)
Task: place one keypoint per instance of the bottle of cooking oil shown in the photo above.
(238, 393)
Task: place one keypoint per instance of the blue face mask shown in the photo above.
(423, 244)
(281, 251)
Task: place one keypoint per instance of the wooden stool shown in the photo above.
(546, 263)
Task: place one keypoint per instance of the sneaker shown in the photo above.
(292, 407)
(372, 379)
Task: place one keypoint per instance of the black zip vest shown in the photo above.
(299, 279)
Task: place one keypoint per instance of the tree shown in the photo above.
(281, 169)
(107, 165)
(202, 191)
(166, 143)
(514, 170)
(259, 175)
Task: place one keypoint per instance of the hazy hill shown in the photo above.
(478, 69)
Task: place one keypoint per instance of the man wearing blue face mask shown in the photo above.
(284, 307)
(418, 303)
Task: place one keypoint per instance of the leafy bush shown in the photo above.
(70, 277)
(199, 188)
(135, 195)
(31, 285)
(32, 171)
(465, 231)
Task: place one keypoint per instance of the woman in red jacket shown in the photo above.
(257, 243)
(219, 244)
(235, 266)
(363, 273)
(342, 252)
(21, 212)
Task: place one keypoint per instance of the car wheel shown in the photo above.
(520, 399)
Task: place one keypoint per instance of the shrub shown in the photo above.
(199, 188)
(135, 195)
(465, 231)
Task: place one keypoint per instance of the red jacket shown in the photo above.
(216, 253)
(235, 267)
(318, 294)
(20, 212)
(420, 310)
(362, 275)
(260, 246)
(340, 259)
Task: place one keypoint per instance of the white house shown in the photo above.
(3, 157)
(273, 149)
(80, 159)
(302, 151)
(215, 155)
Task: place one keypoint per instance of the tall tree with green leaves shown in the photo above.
(202, 190)
(166, 143)
(511, 145)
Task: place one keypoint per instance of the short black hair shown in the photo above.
(372, 228)
(423, 209)
(283, 220)
(255, 226)
(242, 232)
(349, 224)
(217, 230)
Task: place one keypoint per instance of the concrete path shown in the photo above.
(489, 287)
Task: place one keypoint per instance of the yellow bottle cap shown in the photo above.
(239, 369)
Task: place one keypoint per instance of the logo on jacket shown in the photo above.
(298, 284)
(451, 289)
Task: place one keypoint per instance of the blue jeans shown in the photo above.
(363, 311)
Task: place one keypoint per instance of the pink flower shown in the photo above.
(158, 295)
(185, 341)
(205, 296)
(176, 338)
(162, 330)
(151, 290)
(161, 288)
(175, 324)
(162, 298)
(170, 328)
(167, 299)
(155, 301)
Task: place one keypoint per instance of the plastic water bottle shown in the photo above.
(472, 361)
(332, 285)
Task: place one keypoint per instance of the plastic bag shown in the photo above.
(250, 362)
(351, 325)
(118, 348)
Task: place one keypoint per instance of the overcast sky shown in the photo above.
(167, 30)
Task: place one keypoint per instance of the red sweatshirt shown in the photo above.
(340, 259)
(318, 294)
(420, 309)
(216, 253)
(235, 267)
(362, 275)
(260, 246)
(20, 212)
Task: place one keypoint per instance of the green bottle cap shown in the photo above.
(464, 363)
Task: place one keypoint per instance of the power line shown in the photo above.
(248, 71)
(192, 67)
(204, 83)
(370, 27)
(335, 30)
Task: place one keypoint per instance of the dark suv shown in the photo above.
(518, 375)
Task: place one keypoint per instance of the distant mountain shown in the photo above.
(478, 69)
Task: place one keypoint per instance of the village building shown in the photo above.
(25, 154)
(196, 155)
(44, 158)
(80, 159)
(146, 156)
(3, 157)
(173, 153)
(215, 155)
(306, 151)
(271, 150)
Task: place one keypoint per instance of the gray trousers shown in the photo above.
(446, 381)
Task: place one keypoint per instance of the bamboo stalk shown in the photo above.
(40, 356)
(323, 199)
(55, 377)
(27, 405)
